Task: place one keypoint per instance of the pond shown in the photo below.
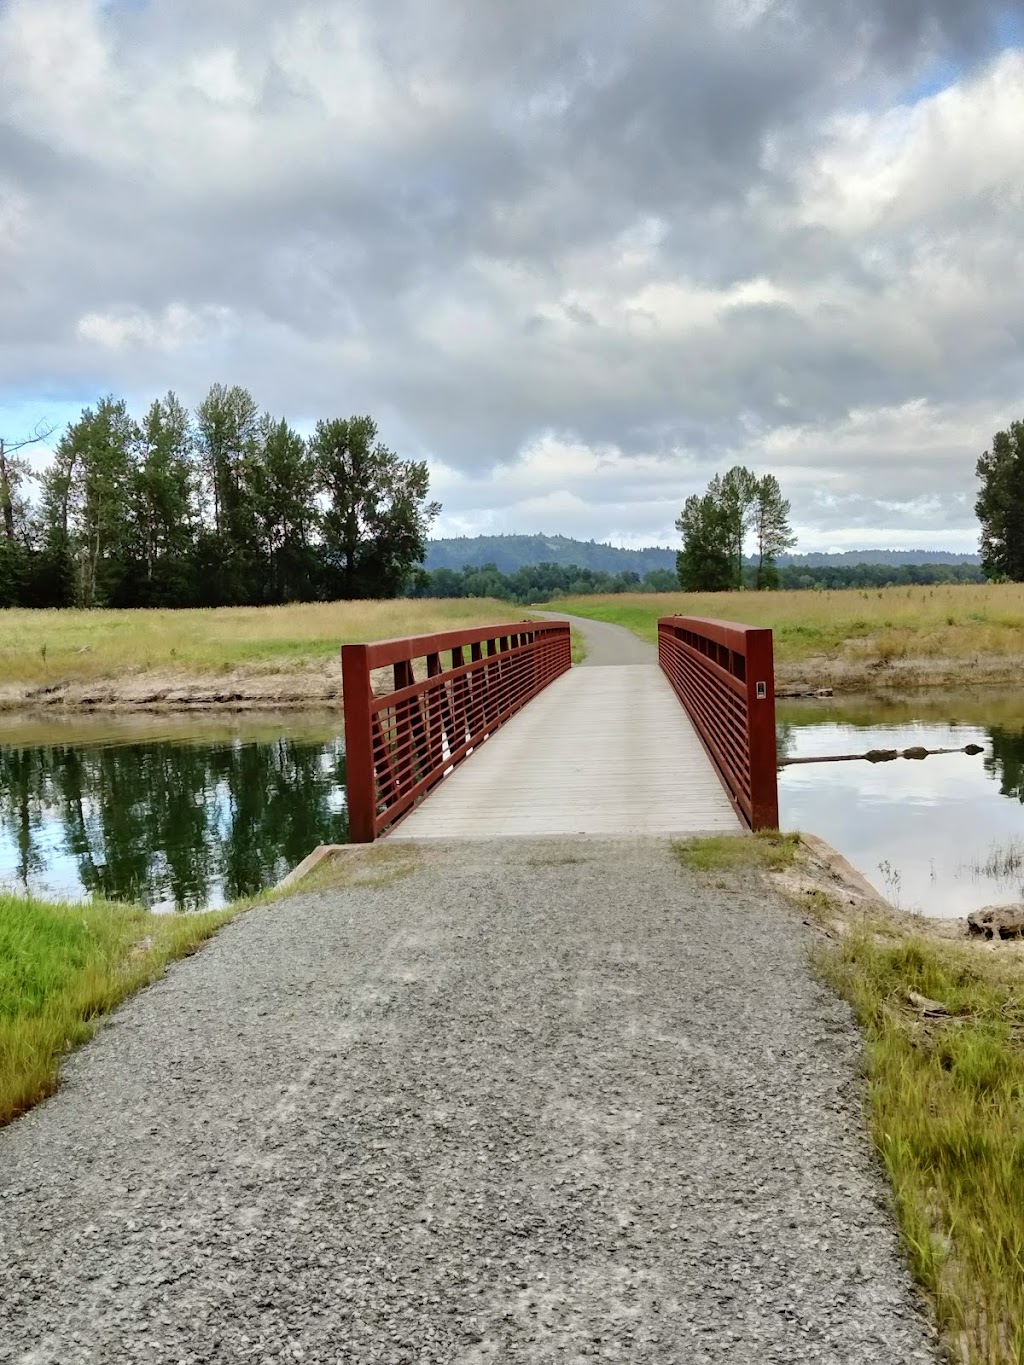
(939, 836)
(176, 812)
(185, 812)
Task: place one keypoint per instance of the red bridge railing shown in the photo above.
(401, 743)
(724, 674)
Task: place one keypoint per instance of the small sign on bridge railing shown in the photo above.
(724, 675)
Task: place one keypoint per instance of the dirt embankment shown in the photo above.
(316, 683)
(900, 674)
(313, 686)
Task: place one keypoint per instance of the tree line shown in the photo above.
(543, 582)
(223, 506)
(536, 582)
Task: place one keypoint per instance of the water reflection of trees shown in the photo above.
(172, 822)
(1006, 762)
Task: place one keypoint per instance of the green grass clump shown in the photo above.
(64, 966)
(737, 852)
(947, 1113)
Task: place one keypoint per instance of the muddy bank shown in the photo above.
(316, 684)
(908, 674)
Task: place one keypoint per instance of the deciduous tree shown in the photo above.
(1000, 504)
(377, 518)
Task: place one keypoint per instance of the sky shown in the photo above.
(579, 256)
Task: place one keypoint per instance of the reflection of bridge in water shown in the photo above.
(604, 749)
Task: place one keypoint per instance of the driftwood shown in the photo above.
(879, 755)
(797, 691)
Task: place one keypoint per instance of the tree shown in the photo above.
(1000, 505)
(16, 524)
(283, 483)
(376, 523)
(772, 529)
(738, 495)
(86, 498)
(226, 439)
(705, 563)
(165, 507)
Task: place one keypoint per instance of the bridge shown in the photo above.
(475, 1099)
(678, 740)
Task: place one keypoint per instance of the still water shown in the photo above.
(939, 836)
(177, 812)
(183, 812)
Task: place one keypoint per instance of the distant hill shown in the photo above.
(514, 552)
(510, 553)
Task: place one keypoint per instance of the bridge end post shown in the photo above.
(360, 779)
(764, 773)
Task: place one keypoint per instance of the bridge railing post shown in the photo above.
(761, 735)
(724, 676)
(360, 775)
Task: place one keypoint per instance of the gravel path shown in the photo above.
(533, 1102)
(607, 644)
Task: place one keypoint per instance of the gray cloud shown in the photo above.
(686, 234)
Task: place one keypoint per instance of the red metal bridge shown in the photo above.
(506, 737)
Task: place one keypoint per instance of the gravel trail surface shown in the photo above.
(511, 1101)
(607, 644)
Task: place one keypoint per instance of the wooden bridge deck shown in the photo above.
(602, 751)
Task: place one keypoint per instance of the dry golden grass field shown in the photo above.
(241, 656)
(856, 639)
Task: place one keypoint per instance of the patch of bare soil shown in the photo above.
(239, 689)
(845, 674)
(315, 684)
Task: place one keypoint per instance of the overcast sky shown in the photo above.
(580, 254)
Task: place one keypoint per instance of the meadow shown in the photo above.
(265, 655)
(852, 639)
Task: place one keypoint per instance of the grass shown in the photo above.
(946, 1099)
(945, 1092)
(731, 853)
(62, 967)
(51, 648)
(864, 632)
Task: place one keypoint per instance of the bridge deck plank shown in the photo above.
(605, 750)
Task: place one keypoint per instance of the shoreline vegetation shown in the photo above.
(65, 966)
(942, 1020)
(266, 658)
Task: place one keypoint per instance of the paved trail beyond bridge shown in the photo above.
(500, 1101)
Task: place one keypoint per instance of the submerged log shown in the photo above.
(880, 755)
